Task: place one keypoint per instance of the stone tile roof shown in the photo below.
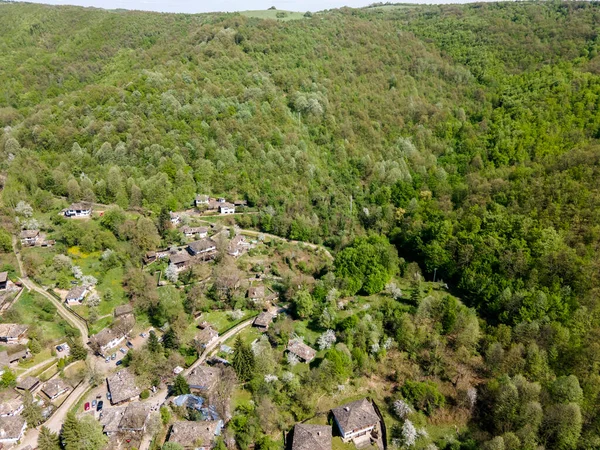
(4, 359)
(256, 292)
(203, 377)
(111, 418)
(11, 427)
(264, 319)
(10, 405)
(12, 330)
(179, 258)
(194, 434)
(122, 386)
(206, 335)
(301, 350)
(3, 277)
(355, 415)
(312, 437)
(134, 417)
(76, 293)
(202, 245)
(28, 383)
(121, 310)
(81, 206)
(53, 387)
(29, 234)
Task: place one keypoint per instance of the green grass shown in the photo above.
(220, 319)
(29, 306)
(272, 14)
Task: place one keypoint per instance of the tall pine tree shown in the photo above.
(180, 386)
(243, 360)
(47, 440)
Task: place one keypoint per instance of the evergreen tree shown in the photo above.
(32, 412)
(153, 344)
(78, 352)
(164, 221)
(180, 386)
(84, 434)
(47, 440)
(243, 360)
(416, 293)
(70, 433)
(170, 340)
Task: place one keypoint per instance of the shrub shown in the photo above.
(425, 396)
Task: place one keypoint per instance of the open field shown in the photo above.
(273, 14)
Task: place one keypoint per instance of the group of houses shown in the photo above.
(218, 204)
(357, 421)
(110, 337)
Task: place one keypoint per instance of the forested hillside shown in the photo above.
(469, 136)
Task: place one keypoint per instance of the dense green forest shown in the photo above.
(468, 136)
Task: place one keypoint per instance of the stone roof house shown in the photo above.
(55, 388)
(109, 338)
(355, 419)
(122, 387)
(180, 259)
(3, 280)
(195, 435)
(135, 417)
(311, 437)
(263, 320)
(12, 429)
(29, 237)
(79, 210)
(202, 246)
(76, 295)
(226, 208)
(256, 293)
(188, 231)
(122, 310)
(203, 378)
(12, 332)
(237, 246)
(206, 337)
(11, 405)
(28, 384)
(201, 199)
(301, 350)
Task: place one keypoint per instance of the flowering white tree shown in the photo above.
(375, 348)
(394, 291)
(472, 397)
(270, 378)
(326, 340)
(260, 345)
(88, 281)
(236, 314)
(62, 261)
(409, 433)
(24, 209)
(292, 359)
(77, 273)
(92, 300)
(333, 295)
(287, 376)
(171, 273)
(107, 254)
(387, 344)
(401, 408)
(31, 224)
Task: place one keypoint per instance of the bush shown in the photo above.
(424, 396)
(145, 394)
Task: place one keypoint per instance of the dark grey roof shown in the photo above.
(312, 437)
(300, 349)
(356, 415)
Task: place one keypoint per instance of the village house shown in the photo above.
(55, 388)
(226, 208)
(301, 350)
(311, 437)
(263, 320)
(109, 338)
(28, 384)
(195, 435)
(4, 361)
(356, 419)
(236, 246)
(79, 210)
(256, 293)
(76, 295)
(200, 232)
(12, 333)
(203, 378)
(11, 404)
(123, 310)
(132, 418)
(175, 219)
(206, 337)
(181, 260)
(240, 203)
(202, 247)
(201, 200)
(122, 387)
(48, 243)
(29, 237)
(12, 429)
(21, 355)
(3, 280)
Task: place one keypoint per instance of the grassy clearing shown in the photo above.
(273, 14)
(221, 320)
(37, 311)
